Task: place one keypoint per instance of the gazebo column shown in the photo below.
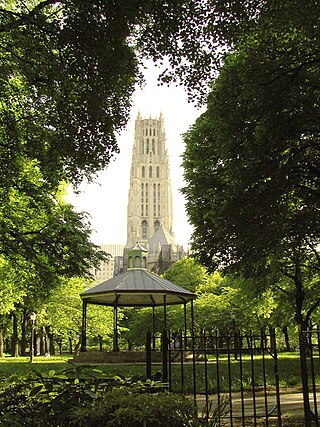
(84, 326)
(185, 323)
(165, 311)
(115, 328)
(153, 329)
(192, 318)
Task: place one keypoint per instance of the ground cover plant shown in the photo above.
(67, 399)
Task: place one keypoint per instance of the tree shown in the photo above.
(61, 315)
(42, 231)
(68, 70)
(187, 273)
(42, 240)
(252, 160)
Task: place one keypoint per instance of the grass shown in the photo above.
(18, 365)
(288, 367)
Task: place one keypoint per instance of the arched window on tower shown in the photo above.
(154, 199)
(156, 226)
(147, 149)
(143, 172)
(150, 171)
(147, 199)
(154, 132)
(142, 199)
(153, 147)
(142, 147)
(150, 133)
(159, 200)
(158, 172)
(144, 229)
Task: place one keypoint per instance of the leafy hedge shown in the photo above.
(70, 399)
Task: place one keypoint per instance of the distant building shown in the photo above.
(150, 214)
(111, 267)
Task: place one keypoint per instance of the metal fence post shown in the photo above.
(148, 355)
(164, 356)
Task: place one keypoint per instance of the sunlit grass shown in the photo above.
(288, 368)
(18, 365)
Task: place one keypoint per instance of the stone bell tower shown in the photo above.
(150, 193)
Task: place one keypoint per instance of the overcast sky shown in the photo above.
(106, 199)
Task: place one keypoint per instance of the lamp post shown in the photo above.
(32, 319)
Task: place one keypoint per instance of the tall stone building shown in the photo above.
(150, 215)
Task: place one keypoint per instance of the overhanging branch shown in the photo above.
(26, 18)
(312, 309)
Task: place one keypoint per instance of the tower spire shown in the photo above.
(150, 193)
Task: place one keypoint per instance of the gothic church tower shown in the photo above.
(150, 193)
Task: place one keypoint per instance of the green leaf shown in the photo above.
(36, 390)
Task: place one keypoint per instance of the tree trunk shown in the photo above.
(59, 341)
(7, 345)
(43, 342)
(2, 334)
(286, 338)
(70, 345)
(272, 337)
(100, 343)
(303, 345)
(24, 324)
(51, 342)
(15, 338)
(1, 342)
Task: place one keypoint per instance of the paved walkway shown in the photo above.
(290, 403)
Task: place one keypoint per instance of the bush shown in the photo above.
(66, 399)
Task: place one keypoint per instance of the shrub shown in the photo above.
(66, 399)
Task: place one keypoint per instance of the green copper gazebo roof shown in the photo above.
(137, 287)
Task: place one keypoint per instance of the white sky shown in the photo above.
(106, 199)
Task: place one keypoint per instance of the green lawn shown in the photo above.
(288, 367)
(16, 365)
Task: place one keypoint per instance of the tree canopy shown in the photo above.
(252, 159)
(69, 68)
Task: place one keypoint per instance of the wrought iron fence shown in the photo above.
(237, 374)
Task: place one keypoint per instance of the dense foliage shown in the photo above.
(252, 159)
(61, 399)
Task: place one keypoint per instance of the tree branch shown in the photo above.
(282, 290)
(314, 250)
(26, 18)
(312, 308)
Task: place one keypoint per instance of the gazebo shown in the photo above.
(136, 287)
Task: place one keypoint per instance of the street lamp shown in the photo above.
(32, 319)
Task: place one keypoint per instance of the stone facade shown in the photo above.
(150, 194)
(150, 214)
